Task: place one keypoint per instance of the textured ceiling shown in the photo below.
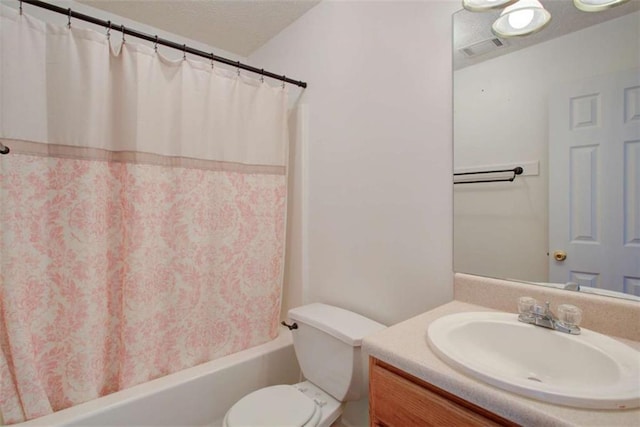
(237, 26)
(470, 28)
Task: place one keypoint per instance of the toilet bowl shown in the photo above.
(327, 344)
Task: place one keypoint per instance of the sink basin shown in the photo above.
(589, 370)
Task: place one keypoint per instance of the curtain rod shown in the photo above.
(159, 41)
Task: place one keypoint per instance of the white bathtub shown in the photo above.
(197, 396)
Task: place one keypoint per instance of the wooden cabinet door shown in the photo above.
(398, 399)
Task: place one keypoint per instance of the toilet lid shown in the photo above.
(280, 405)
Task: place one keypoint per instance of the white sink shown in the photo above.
(589, 370)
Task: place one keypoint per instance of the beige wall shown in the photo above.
(371, 209)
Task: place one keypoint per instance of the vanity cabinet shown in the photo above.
(398, 399)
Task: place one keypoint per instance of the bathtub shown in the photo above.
(198, 396)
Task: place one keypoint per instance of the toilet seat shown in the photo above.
(278, 406)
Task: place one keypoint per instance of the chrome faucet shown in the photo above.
(541, 315)
(572, 286)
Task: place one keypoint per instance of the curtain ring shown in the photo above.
(69, 18)
(122, 29)
(238, 69)
(155, 45)
(184, 52)
(262, 75)
(109, 30)
(283, 80)
(212, 56)
(20, 7)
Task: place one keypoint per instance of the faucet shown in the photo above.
(572, 286)
(541, 315)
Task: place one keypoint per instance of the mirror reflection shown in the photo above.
(563, 104)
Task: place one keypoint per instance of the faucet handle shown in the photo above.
(526, 304)
(569, 315)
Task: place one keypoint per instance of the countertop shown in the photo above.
(404, 346)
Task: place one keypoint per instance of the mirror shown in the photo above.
(563, 104)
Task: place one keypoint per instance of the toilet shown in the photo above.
(327, 343)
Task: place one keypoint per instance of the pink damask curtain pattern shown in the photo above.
(142, 215)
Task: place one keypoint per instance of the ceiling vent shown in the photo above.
(485, 46)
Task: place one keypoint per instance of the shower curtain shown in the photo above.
(142, 214)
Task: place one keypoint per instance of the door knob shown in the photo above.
(560, 255)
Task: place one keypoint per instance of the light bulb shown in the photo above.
(520, 18)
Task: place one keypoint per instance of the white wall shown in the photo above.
(377, 220)
(501, 117)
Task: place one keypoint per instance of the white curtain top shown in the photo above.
(73, 87)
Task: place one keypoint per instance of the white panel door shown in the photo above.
(594, 182)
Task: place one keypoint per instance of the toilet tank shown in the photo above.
(328, 347)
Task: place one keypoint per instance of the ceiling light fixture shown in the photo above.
(522, 18)
(485, 5)
(596, 5)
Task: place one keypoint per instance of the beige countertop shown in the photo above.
(404, 346)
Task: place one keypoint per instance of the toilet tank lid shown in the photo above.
(345, 325)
